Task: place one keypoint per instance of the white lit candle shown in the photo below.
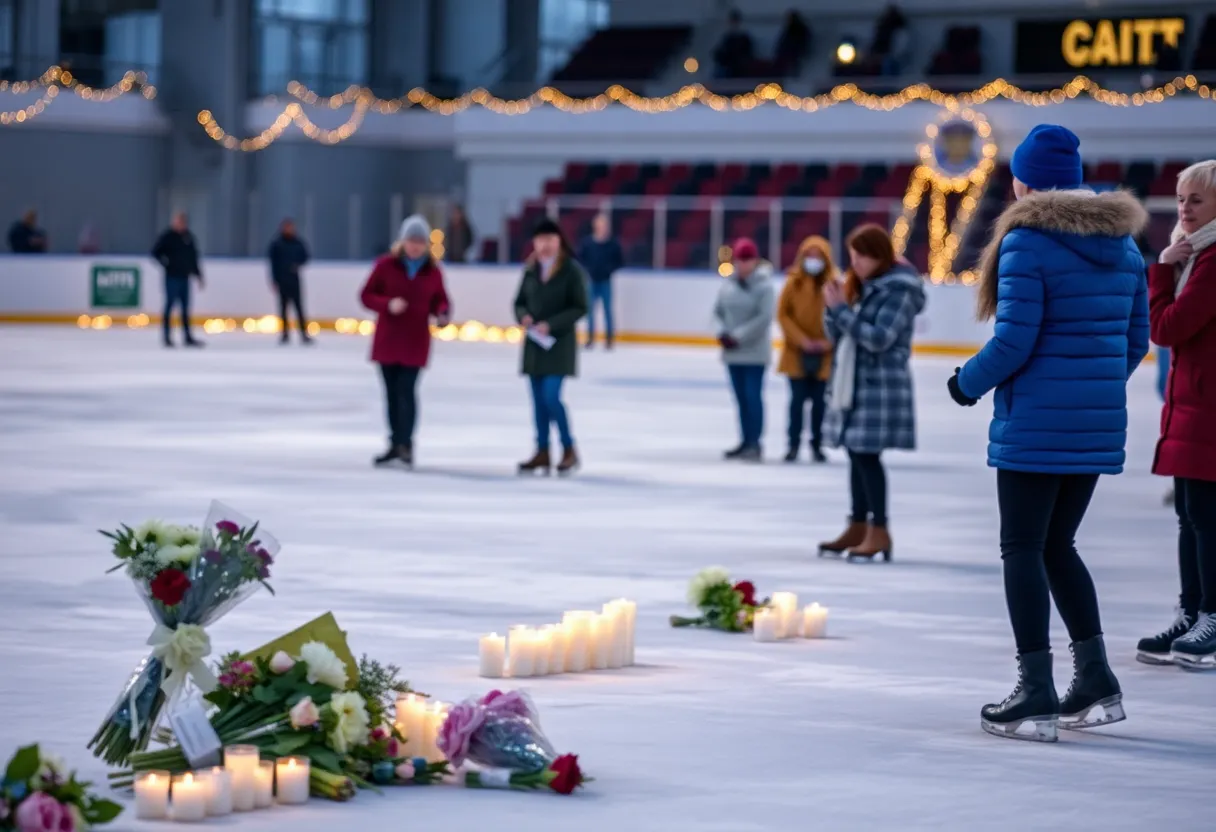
(630, 609)
(542, 640)
(492, 652)
(815, 621)
(291, 779)
(189, 799)
(435, 715)
(152, 795)
(601, 641)
(764, 628)
(786, 605)
(579, 625)
(241, 763)
(410, 710)
(219, 792)
(557, 647)
(617, 633)
(264, 789)
(521, 651)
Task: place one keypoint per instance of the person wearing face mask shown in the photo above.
(743, 319)
(1182, 302)
(806, 357)
(406, 291)
(552, 298)
(1066, 284)
(871, 408)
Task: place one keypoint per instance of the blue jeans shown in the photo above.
(601, 293)
(177, 293)
(547, 407)
(1163, 370)
(747, 381)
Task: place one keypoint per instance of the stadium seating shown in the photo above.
(623, 54)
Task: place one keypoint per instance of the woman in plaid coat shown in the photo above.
(871, 407)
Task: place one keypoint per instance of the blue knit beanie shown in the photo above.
(1048, 159)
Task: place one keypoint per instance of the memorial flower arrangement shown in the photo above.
(501, 734)
(38, 794)
(188, 578)
(724, 605)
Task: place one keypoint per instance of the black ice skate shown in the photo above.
(751, 453)
(1197, 649)
(735, 453)
(397, 456)
(569, 463)
(1156, 649)
(1094, 697)
(1032, 704)
(540, 462)
(792, 454)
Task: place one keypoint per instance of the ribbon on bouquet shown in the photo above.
(181, 651)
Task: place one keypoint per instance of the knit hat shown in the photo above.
(745, 248)
(414, 228)
(1047, 159)
(547, 226)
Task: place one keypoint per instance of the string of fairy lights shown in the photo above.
(55, 80)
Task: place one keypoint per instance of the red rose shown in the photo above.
(748, 590)
(567, 776)
(170, 586)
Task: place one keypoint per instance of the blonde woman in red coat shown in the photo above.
(1182, 301)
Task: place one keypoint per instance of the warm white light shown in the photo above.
(846, 53)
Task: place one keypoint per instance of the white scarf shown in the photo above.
(844, 376)
(1203, 237)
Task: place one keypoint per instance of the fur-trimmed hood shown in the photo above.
(1094, 225)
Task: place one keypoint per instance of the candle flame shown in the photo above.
(188, 779)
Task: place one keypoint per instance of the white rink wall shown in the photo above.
(651, 306)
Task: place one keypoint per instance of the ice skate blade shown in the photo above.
(830, 553)
(1188, 662)
(1112, 712)
(1156, 659)
(1045, 729)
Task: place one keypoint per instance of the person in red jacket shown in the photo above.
(1182, 307)
(406, 290)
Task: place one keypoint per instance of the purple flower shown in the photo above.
(42, 813)
(228, 527)
(264, 557)
(457, 731)
(212, 556)
(263, 572)
(513, 703)
(227, 680)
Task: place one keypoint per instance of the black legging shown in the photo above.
(1040, 515)
(868, 482)
(292, 296)
(1195, 502)
(399, 394)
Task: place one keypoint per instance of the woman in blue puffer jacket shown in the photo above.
(1066, 284)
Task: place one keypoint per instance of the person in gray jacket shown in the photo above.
(743, 316)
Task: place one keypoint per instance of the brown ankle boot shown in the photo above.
(877, 542)
(854, 535)
(569, 463)
(539, 462)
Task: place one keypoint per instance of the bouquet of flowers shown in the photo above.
(38, 794)
(188, 578)
(724, 605)
(501, 733)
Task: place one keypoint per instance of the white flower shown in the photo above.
(280, 663)
(188, 535)
(188, 644)
(177, 555)
(324, 666)
(304, 714)
(151, 531)
(51, 770)
(703, 580)
(352, 724)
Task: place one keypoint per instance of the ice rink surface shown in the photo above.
(875, 728)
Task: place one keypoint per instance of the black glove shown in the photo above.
(957, 393)
(727, 341)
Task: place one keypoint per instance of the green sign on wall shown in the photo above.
(115, 287)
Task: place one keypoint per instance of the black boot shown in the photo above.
(735, 453)
(539, 462)
(1033, 701)
(1093, 687)
(792, 454)
(389, 458)
(817, 454)
(1156, 649)
(405, 453)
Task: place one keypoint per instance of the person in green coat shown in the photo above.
(552, 298)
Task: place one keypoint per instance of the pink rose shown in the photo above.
(305, 714)
(457, 731)
(378, 734)
(393, 749)
(280, 663)
(513, 703)
(405, 772)
(42, 813)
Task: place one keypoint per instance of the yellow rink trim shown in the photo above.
(120, 320)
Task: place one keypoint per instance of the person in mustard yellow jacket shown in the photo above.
(806, 357)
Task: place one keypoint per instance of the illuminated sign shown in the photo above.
(1122, 43)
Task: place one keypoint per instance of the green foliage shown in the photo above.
(24, 765)
(379, 686)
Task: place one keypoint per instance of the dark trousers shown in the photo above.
(1195, 502)
(601, 295)
(177, 294)
(291, 295)
(1040, 515)
(400, 386)
(547, 409)
(803, 390)
(868, 483)
(747, 382)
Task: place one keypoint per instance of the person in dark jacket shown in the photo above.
(552, 298)
(287, 255)
(1066, 284)
(406, 291)
(176, 250)
(601, 255)
(871, 319)
(735, 53)
(25, 237)
(460, 236)
(1182, 309)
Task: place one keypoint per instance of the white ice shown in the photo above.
(874, 728)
